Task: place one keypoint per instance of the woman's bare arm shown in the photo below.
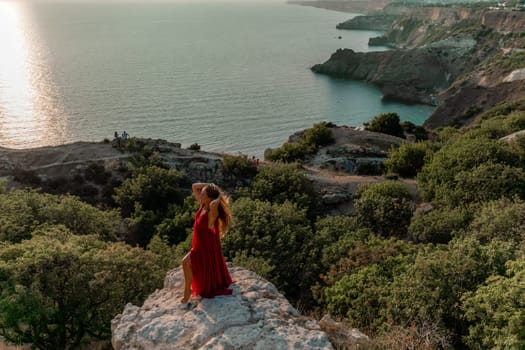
(214, 212)
(196, 188)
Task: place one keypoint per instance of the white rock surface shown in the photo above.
(518, 74)
(256, 316)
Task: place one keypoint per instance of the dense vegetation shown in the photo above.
(451, 276)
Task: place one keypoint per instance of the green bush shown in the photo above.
(289, 152)
(195, 147)
(277, 183)
(362, 295)
(496, 311)
(318, 135)
(502, 219)
(418, 131)
(313, 138)
(276, 235)
(23, 211)
(438, 179)
(146, 198)
(439, 225)
(59, 290)
(386, 123)
(385, 208)
(408, 159)
(239, 166)
(485, 182)
(433, 286)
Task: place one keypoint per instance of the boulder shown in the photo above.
(256, 316)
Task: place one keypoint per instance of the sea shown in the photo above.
(230, 76)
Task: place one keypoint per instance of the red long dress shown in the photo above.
(210, 273)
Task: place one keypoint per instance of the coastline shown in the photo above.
(358, 6)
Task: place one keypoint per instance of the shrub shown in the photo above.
(310, 141)
(279, 182)
(385, 208)
(146, 198)
(502, 219)
(409, 158)
(60, 290)
(289, 152)
(239, 166)
(276, 235)
(418, 131)
(497, 311)
(369, 168)
(439, 225)
(23, 211)
(386, 123)
(433, 286)
(437, 180)
(97, 173)
(195, 147)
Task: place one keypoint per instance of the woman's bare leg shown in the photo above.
(186, 267)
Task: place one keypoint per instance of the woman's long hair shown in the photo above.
(225, 214)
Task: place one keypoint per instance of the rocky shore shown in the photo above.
(412, 76)
(461, 59)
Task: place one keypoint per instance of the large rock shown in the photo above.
(256, 316)
(408, 75)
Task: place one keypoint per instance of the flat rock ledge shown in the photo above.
(256, 316)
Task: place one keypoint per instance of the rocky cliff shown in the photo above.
(410, 75)
(462, 59)
(256, 316)
(373, 22)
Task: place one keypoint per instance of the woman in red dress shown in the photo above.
(205, 271)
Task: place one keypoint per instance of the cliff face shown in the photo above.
(463, 60)
(504, 21)
(411, 75)
(256, 316)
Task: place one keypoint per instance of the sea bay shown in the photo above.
(232, 77)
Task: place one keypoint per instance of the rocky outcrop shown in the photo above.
(504, 21)
(256, 316)
(408, 75)
(91, 169)
(373, 22)
(460, 106)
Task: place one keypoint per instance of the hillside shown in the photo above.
(463, 59)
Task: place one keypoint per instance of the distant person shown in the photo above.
(125, 135)
(205, 270)
(115, 135)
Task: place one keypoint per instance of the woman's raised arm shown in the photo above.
(196, 188)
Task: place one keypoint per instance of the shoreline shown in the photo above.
(355, 7)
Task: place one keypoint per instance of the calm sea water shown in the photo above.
(232, 77)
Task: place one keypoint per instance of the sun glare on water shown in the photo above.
(27, 106)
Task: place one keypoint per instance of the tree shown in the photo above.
(59, 290)
(386, 123)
